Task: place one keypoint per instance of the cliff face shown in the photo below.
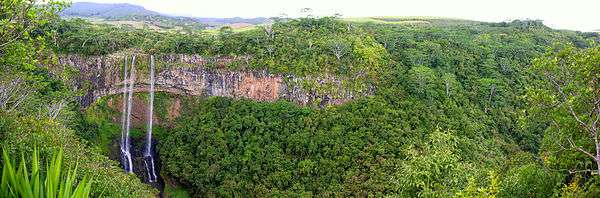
(199, 76)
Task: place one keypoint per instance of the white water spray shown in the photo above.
(125, 139)
(148, 155)
(124, 159)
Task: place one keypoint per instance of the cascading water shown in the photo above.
(124, 159)
(126, 118)
(148, 155)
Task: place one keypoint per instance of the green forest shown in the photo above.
(446, 108)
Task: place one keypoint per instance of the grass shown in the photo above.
(215, 31)
(409, 20)
(386, 20)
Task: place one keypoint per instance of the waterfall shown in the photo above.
(150, 107)
(148, 156)
(128, 83)
(124, 159)
(126, 118)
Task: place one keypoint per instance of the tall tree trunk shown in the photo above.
(597, 164)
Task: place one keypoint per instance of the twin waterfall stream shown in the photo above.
(125, 143)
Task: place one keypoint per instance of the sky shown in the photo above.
(583, 15)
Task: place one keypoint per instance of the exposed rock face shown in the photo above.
(191, 75)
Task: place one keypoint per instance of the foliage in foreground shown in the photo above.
(565, 103)
(37, 103)
(567, 100)
(20, 133)
(56, 182)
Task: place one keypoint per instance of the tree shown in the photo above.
(268, 28)
(21, 17)
(13, 92)
(432, 170)
(421, 80)
(307, 12)
(450, 83)
(338, 48)
(24, 80)
(529, 180)
(568, 98)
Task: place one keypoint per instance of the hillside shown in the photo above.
(101, 10)
(139, 17)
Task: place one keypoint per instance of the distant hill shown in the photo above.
(102, 10)
(138, 16)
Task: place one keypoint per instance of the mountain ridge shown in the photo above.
(105, 10)
(126, 11)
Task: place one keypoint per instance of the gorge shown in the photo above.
(128, 73)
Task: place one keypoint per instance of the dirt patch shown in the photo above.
(262, 89)
(139, 111)
(110, 103)
(174, 111)
(240, 25)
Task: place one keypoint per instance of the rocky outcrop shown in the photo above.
(200, 76)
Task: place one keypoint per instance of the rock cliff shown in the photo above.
(200, 76)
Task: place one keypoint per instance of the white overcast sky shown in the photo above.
(562, 14)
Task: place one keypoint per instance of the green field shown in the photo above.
(410, 20)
